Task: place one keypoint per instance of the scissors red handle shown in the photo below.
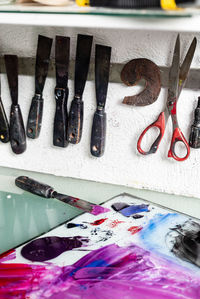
(160, 124)
(177, 137)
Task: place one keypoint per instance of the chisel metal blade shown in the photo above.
(41, 69)
(42, 62)
(11, 63)
(62, 52)
(102, 69)
(83, 53)
(185, 67)
(62, 61)
(4, 126)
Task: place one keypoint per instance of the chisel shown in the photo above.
(83, 52)
(46, 191)
(61, 91)
(41, 69)
(4, 126)
(102, 68)
(17, 131)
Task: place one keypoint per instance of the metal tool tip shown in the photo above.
(194, 40)
(178, 38)
(198, 105)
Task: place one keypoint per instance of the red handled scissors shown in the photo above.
(177, 79)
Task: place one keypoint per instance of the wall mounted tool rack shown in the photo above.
(130, 37)
(27, 67)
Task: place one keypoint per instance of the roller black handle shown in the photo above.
(75, 124)
(34, 187)
(35, 117)
(194, 140)
(131, 3)
(4, 126)
(17, 130)
(97, 145)
(60, 119)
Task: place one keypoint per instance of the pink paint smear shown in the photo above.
(7, 256)
(108, 272)
(96, 210)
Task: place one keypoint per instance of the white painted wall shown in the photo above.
(121, 164)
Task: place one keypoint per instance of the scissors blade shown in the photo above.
(185, 67)
(174, 73)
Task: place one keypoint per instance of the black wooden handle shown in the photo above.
(97, 145)
(35, 117)
(75, 124)
(4, 126)
(34, 187)
(194, 140)
(60, 119)
(17, 131)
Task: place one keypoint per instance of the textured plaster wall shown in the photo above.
(121, 164)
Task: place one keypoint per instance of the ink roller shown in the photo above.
(127, 3)
(46, 191)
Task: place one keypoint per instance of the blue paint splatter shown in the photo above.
(93, 264)
(134, 209)
(154, 236)
(98, 263)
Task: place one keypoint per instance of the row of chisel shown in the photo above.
(67, 127)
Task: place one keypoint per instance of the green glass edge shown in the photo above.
(139, 14)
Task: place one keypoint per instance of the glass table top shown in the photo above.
(24, 216)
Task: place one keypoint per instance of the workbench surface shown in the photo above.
(24, 216)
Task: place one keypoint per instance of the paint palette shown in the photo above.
(137, 250)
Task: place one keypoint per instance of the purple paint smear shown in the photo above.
(47, 248)
(108, 272)
(96, 210)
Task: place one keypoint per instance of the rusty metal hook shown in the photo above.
(138, 69)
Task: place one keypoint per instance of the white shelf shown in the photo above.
(96, 21)
(45, 16)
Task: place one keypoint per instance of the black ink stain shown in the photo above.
(186, 243)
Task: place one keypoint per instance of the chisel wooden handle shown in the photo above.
(17, 131)
(97, 145)
(34, 187)
(75, 121)
(35, 117)
(60, 119)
